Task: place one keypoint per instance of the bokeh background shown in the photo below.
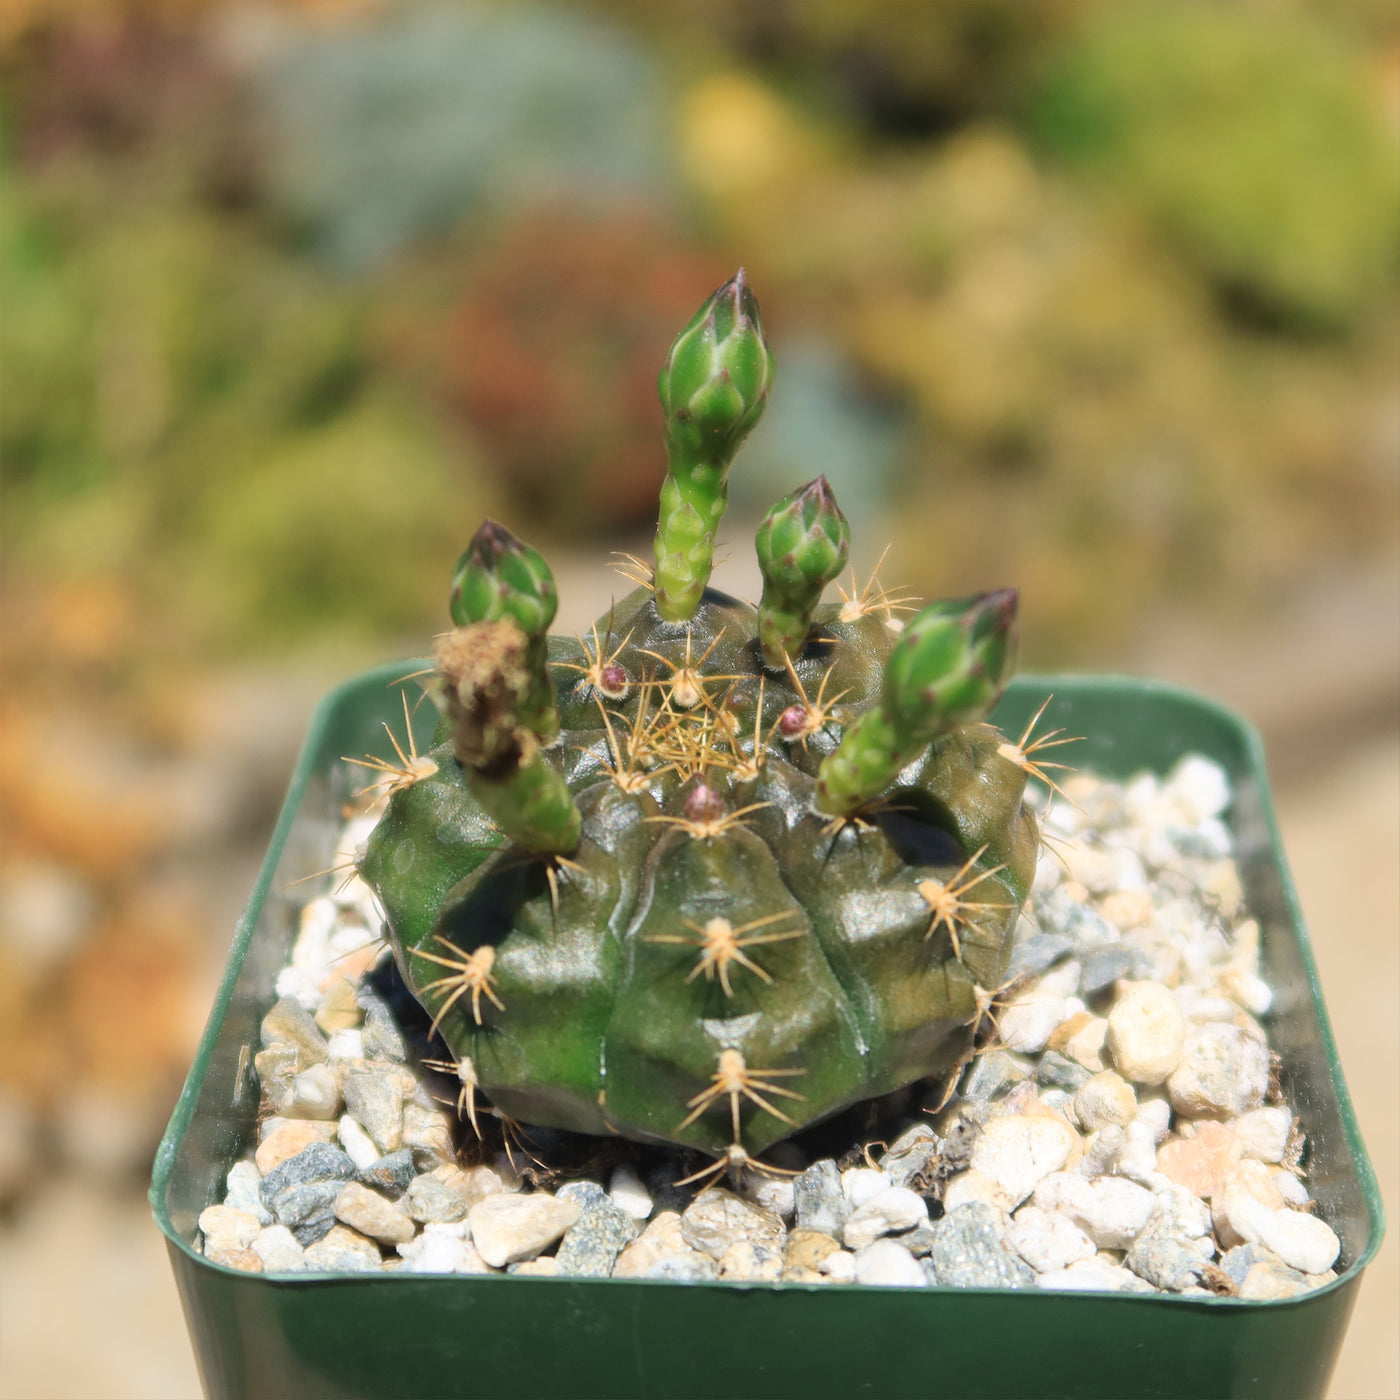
(1094, 297)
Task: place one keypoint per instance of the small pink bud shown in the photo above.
(703, 804)
(792, 722)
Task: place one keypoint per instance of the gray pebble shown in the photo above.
(428, 1199)
(308, 1208)
(716, 1219)
(318, 1162)
(1058, 1071)
(375, 1099)
(588, 1194)
(1057, 912)
(1239, 1261)
(911, 1154)
(820, 1199)
(244, 1180)
(1165, 1262)
(382, 1040)
(1037, 953)
(968, 1252)
(1104, 966)
(392, 1173)
(920, 1239)
(991, 1075)
(591, 1245)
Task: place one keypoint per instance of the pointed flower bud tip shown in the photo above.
(499, 576)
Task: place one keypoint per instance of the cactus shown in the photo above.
(770, 866)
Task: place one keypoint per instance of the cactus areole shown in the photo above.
(713, 873)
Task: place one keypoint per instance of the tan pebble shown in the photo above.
(1264, 1133)
(507, 1228)
(1146, 1032)
(472, 1184)
(1258, 1180)
(428, 1130)
(1127, 909)
(231, 1257)
(1076, 891)
(548, 1267)
(1266, 1281)
(1203, 1162)
(1086, 1046)
(372, 1215)
(661, 1239)
(1067, 1028)
(1105, 1101)
(805, 1249)
(339, 1011)
(293, 1136)
(971, 1185)
(228, 1227)
(754, 1261)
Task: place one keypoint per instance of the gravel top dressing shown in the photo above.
(1120, 1129)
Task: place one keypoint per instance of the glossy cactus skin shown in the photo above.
(714, 388)
(607, 1025)
(771, 865)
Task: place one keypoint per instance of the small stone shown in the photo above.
(1047, 1240)
(972, 1187)
(1292, 1191)
(291, 1023)
(372, 1215)
(507, 1227)
(382, 1040)
(317, 1162)
(838, 1267)
(1105, 1101)
(969, 1252)
(1165, 1262)
(911, 1154)
(343, 1250)
(1018, 1151)
(472, 1185)
(228, 1227)
(1104, 966)
(1146, 1032)
(718, 1218)
(1093, 1276)
(1179, 1214)
(775, 1194)
(1032, 955)
(242, 1184)
(992, 1073)
(821, 1200)
(1269, 1279)
(1199, 789)
(339, 1009)
(276, 1068)
(1127, 909)
(591, 1245)
(279, 1251)
(1110, 1210)
(428, 1199)
(661, 1239)
(885, 1264)
(691, 1267)
(751, 1261)
(1060, 1072)
(234, 1257)
(290, 1138)
(391, 1174)
(1203, 1163)
(861, 1183)
(347, 1044)
(1258, 1180)
(358, 1144)
(1030, 1020)
(804, 1252)
(1264, 1132)
(315, 1094)
(443, 1249)
(546, 1267)
(628, 1194)
(429, 1133)
(588, 1195)
(1082, 1039)
(375, 1101)
(1303, 1242)
(1237, 1262)
(887, 1213)
(1224, 1071)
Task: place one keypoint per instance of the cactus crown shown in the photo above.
(771, 864)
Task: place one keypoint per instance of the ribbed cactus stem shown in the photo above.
(713, 387)
(501, 577)
(802, 545)
(487, 683)
(947, 670)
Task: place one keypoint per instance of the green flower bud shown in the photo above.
(500, 576)
(802, 545)
(950, 665)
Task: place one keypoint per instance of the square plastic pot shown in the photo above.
(419, 1335)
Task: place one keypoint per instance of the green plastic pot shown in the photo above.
(416, 1335)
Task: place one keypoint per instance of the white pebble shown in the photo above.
(347, 1044)
(242, 1190)
(1110, 1210)
(226, 1227)
(628, 1194)
(1019, 1150)
(1224, 1071)
(1146, 1031)
(1263, 1133)
(1302, 1241)
(279, 1251)
(1106, 1100)
(1199, 788)
(1047, 1240)
(1093, 1276)
(972, 1187)
(358, 1144)
(315, 1093)
(839, 1266)
(885, 1264)
(1029, 1022)
(507, 1227)
(888, 1213)
(861, 1183)
(1288, 1186)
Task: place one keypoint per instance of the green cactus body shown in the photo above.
(772, 866)
(610, 1017)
